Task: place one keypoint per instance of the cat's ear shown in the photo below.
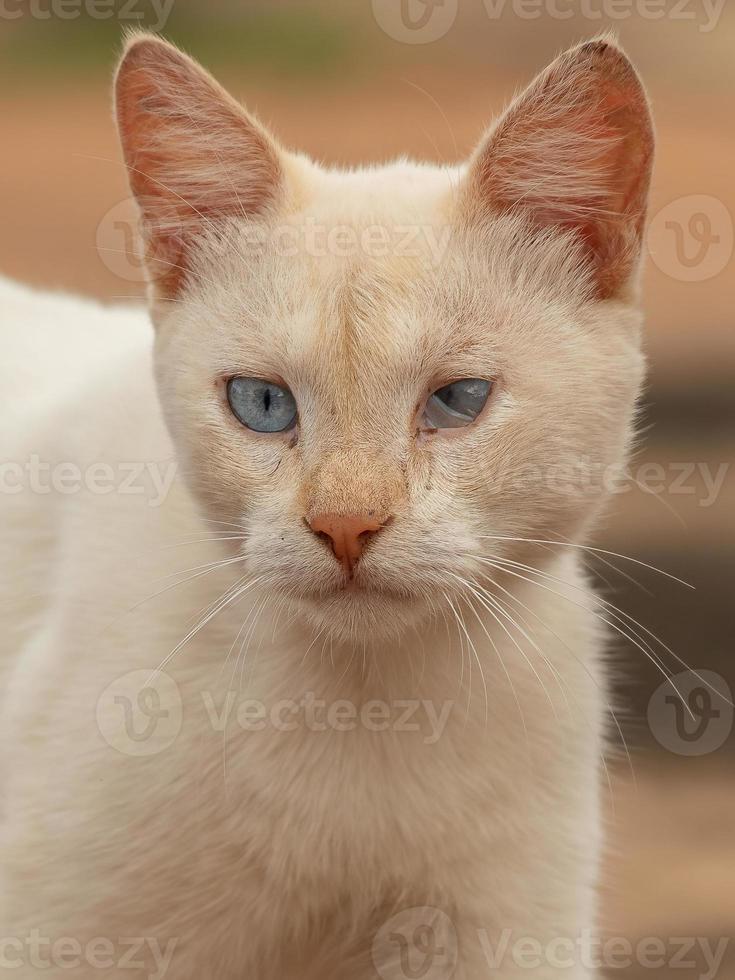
(193, 154)
(574, 151)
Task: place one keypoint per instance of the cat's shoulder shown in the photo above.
(50, 339)
(58, 314)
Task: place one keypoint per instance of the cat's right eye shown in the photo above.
(262, 406)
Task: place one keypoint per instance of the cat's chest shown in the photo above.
(305, 793)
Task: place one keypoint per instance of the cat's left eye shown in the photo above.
(457, 404)
(261, 405)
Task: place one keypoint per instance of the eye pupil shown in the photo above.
(261, 405)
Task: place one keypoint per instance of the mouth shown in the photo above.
(355, 590)
(355, 594)
(356, 613)
(356, 585)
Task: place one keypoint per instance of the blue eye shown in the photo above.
(456, 404)
(261, 405)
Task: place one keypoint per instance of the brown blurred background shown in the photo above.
(360, 80)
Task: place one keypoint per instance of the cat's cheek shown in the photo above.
(231, 471)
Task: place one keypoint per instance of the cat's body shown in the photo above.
(326, 834)
(403, 743)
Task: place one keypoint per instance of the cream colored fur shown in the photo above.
(280, 854)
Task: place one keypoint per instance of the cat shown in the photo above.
(302, 674)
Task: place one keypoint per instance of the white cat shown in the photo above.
(298, 683)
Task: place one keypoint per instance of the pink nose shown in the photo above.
(346, 535)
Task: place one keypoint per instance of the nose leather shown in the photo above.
(346, 534)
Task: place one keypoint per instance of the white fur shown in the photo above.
(280, 854)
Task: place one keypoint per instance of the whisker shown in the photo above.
(581, 663)
(230, 596)
(609, 606)
(507, 675)
(473, 648)
(660, 498)
(193, 541)
(232, 524)
(603, 760)
(522, 653)
(313, 642)
(168, 588)
(633, 639)
(585, 547)
(246, 641)
(621, 614)
(461, 652)
(217, 563)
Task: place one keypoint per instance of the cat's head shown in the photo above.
(380, 374)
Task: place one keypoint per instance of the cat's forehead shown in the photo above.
(373, 268)
(363, 269)
(400, 190)
(355, 308)
(341, 326)
(373, 219)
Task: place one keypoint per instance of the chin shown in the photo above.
(364, 616)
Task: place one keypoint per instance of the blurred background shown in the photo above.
(366, 80)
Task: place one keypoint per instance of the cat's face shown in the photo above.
(329, 309)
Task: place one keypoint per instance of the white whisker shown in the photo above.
(586, 547)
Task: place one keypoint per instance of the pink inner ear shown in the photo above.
(574, 152)
(194, 156)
